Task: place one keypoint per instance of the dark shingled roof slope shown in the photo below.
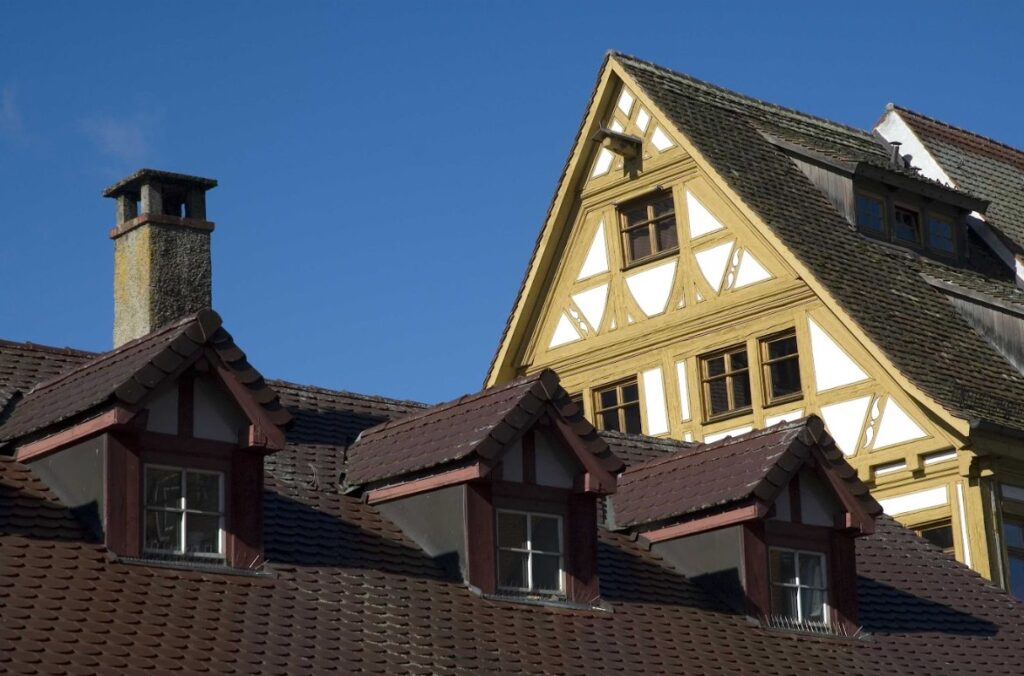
(753, 465)
(480, 425)
(981, 165)
(130, 372)
(880, 288)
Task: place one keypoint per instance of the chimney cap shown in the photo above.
(134, 182)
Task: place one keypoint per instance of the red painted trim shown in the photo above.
(857, 516)
(257, 416)
(534, 493)
(529, 442)
(707, 523)
(582, 582)
(602, 480)
(798, 535)
(115, 417)
(843, 580)
(178, 446)
(430, 483)
(244, 546)
(757, 582)
(186, 405)
(481, 542)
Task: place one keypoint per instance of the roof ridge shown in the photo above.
(110, 354)
(744, 97)
(989, 139)
(38, 347)
(275, 382)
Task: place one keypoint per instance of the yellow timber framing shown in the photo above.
(748, 315)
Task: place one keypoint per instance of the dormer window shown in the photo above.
(939, 235)
(871, 214)
(530, 553)
(906, 225)
(184, 513)
(799, 588)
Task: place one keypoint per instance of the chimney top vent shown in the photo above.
(154, 193)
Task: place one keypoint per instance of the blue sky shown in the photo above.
(384, 167)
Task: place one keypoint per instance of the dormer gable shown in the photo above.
(748, 512)
(158, 444)
(504, 482)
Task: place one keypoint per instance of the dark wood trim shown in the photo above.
(798, 535)
(186, 405)
(456, 476)
(148, 441)
(582, 584)
(602, 480)
(252, 409)
(795, 507)
(857, 516)
(742, 514)
(244, 517)
(481, 540)
(755, 567)
(115, 417)
(511, 490)
(529, 443)
(843, 580)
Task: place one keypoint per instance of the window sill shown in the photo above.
(217, 567)
(661, 255)
(727, 416)
(788, 399)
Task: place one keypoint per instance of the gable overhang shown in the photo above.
(752, 510)
(116, 417)
(452, 477)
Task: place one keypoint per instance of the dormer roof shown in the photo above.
(476, 426)
(126, 375)
(752, 468)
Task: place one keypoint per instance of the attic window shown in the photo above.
(906, 225)
(649, 227)
(799, 589)
(939, 534)
(184, 512)
(871, 214)
(529, 553)
(939, 235)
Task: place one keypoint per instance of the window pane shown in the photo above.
(637, 214)
(547, 574)
(785, 378)
(666, 233)
(609, 398)
(512, 569)
(940, 536)
(609, 420)
(632, 415)
(812, 605)
(639, 243)
(663, 206)
(869, 214)
(738, 360)
(781, 347)
(163, 487)
(1014, 534)
(545, 534)
(630, 392)
(202, 534)
(512, 530)
(202, 492)
(905, 226)
(782, 565)
(715, 366)
(718, 396)
(163, 530)
(940, 235)
(784, 601)
(812, 571)
(740, 391)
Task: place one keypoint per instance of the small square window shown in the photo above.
(781, 365)
(870, 214)
(617, 407)
(939, 534)
(184, 512)
(649, 227)
(939, 234)
(906, 225)
(529, 552)
(799, 590)
(726, 383)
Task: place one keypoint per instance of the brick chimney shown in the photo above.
(162, 268)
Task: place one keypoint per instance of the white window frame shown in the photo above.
(184, 511)
(530, 551)
(825, 609)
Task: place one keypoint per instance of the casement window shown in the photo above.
(799, 590)
(939, 534)
(781, 365)
(617, 407)
(649, 227)
(906, 226)
(184, 512)
(725, 380)
(1013, 533)
(529, 553)
(939, 235)
(871, 214)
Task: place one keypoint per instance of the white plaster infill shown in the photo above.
(654, 400)
(789, 416)
(916, 501)
(896, 427)
(832, 366)
(735, 432)
(712, 263)
(564, 334)
(684, 394)
(845, 421)
(651, 287)
(750, 271)
(592, 303)
(596, 261)
(701, 220)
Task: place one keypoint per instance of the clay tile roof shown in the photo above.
(128, 373)
(880, 287)
(636, 449)
(479, 425)
(756, 465)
